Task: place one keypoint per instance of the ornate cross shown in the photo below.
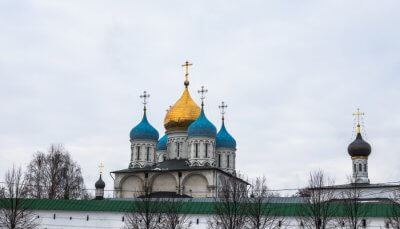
(145, 96)
(202, 92)
(358, 114)
(222, 107)
(101, 166)
(186, 65)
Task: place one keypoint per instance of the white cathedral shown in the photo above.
(188, 161)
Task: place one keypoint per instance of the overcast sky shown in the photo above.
(291, 72)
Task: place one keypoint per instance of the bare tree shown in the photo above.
(393, 213)
(15, 212)
(35, 176)
(146, 212)
(55, 175)
(318, 209)
(354, 210)
(174, 217)
(260, 210)
(231, 204)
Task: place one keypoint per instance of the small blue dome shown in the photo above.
(224, 139)
(162, 143)
(202, 127)
(144, 131)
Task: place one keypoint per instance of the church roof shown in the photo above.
(182, 113)
(363, 186)
(173, 165)
(194, 206)
(359, 147)
(202, 127)
(100, 183)
(144, 130)
(162, 143)
(224, 139)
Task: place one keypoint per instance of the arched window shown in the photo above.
(196, 149)
(365, 167)
(206, 149)
(227, 161)
(138, 153)
(360, 167)
(178, 148)
(219, 160)
(148, 153)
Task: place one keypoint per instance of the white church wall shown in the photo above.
(173, 139)
(164, 182)
(368, 193)
(131, 186)
(196, 185)
(202, 185)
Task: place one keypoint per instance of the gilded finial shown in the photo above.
(168, 109)
(186, 65)
(358, 114)
(223, 107)
(145, 96)
(101, 166)
(202, 97)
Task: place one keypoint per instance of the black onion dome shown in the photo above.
(100, 183)
(359, 147)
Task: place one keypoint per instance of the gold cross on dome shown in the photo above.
(358, 114)
(222, 107)
(202, 92)
(145, 96)
(101, 166)
(186, 65)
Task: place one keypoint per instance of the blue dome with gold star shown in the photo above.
(162, 143)
(202, 127)
(224, 139)
(144, 131)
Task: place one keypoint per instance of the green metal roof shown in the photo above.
(187, 207)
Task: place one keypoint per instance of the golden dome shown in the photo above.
(182, 113)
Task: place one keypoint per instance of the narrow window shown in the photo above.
(138, 153)
(364, 223)
(365, 167)
(178, 149)
(219, 160)
(148, 154)
(206, 145)
(227, 160)
(196, 150)
(354, 168)
(360, 167)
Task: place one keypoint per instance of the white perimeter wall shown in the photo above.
(104, 220)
